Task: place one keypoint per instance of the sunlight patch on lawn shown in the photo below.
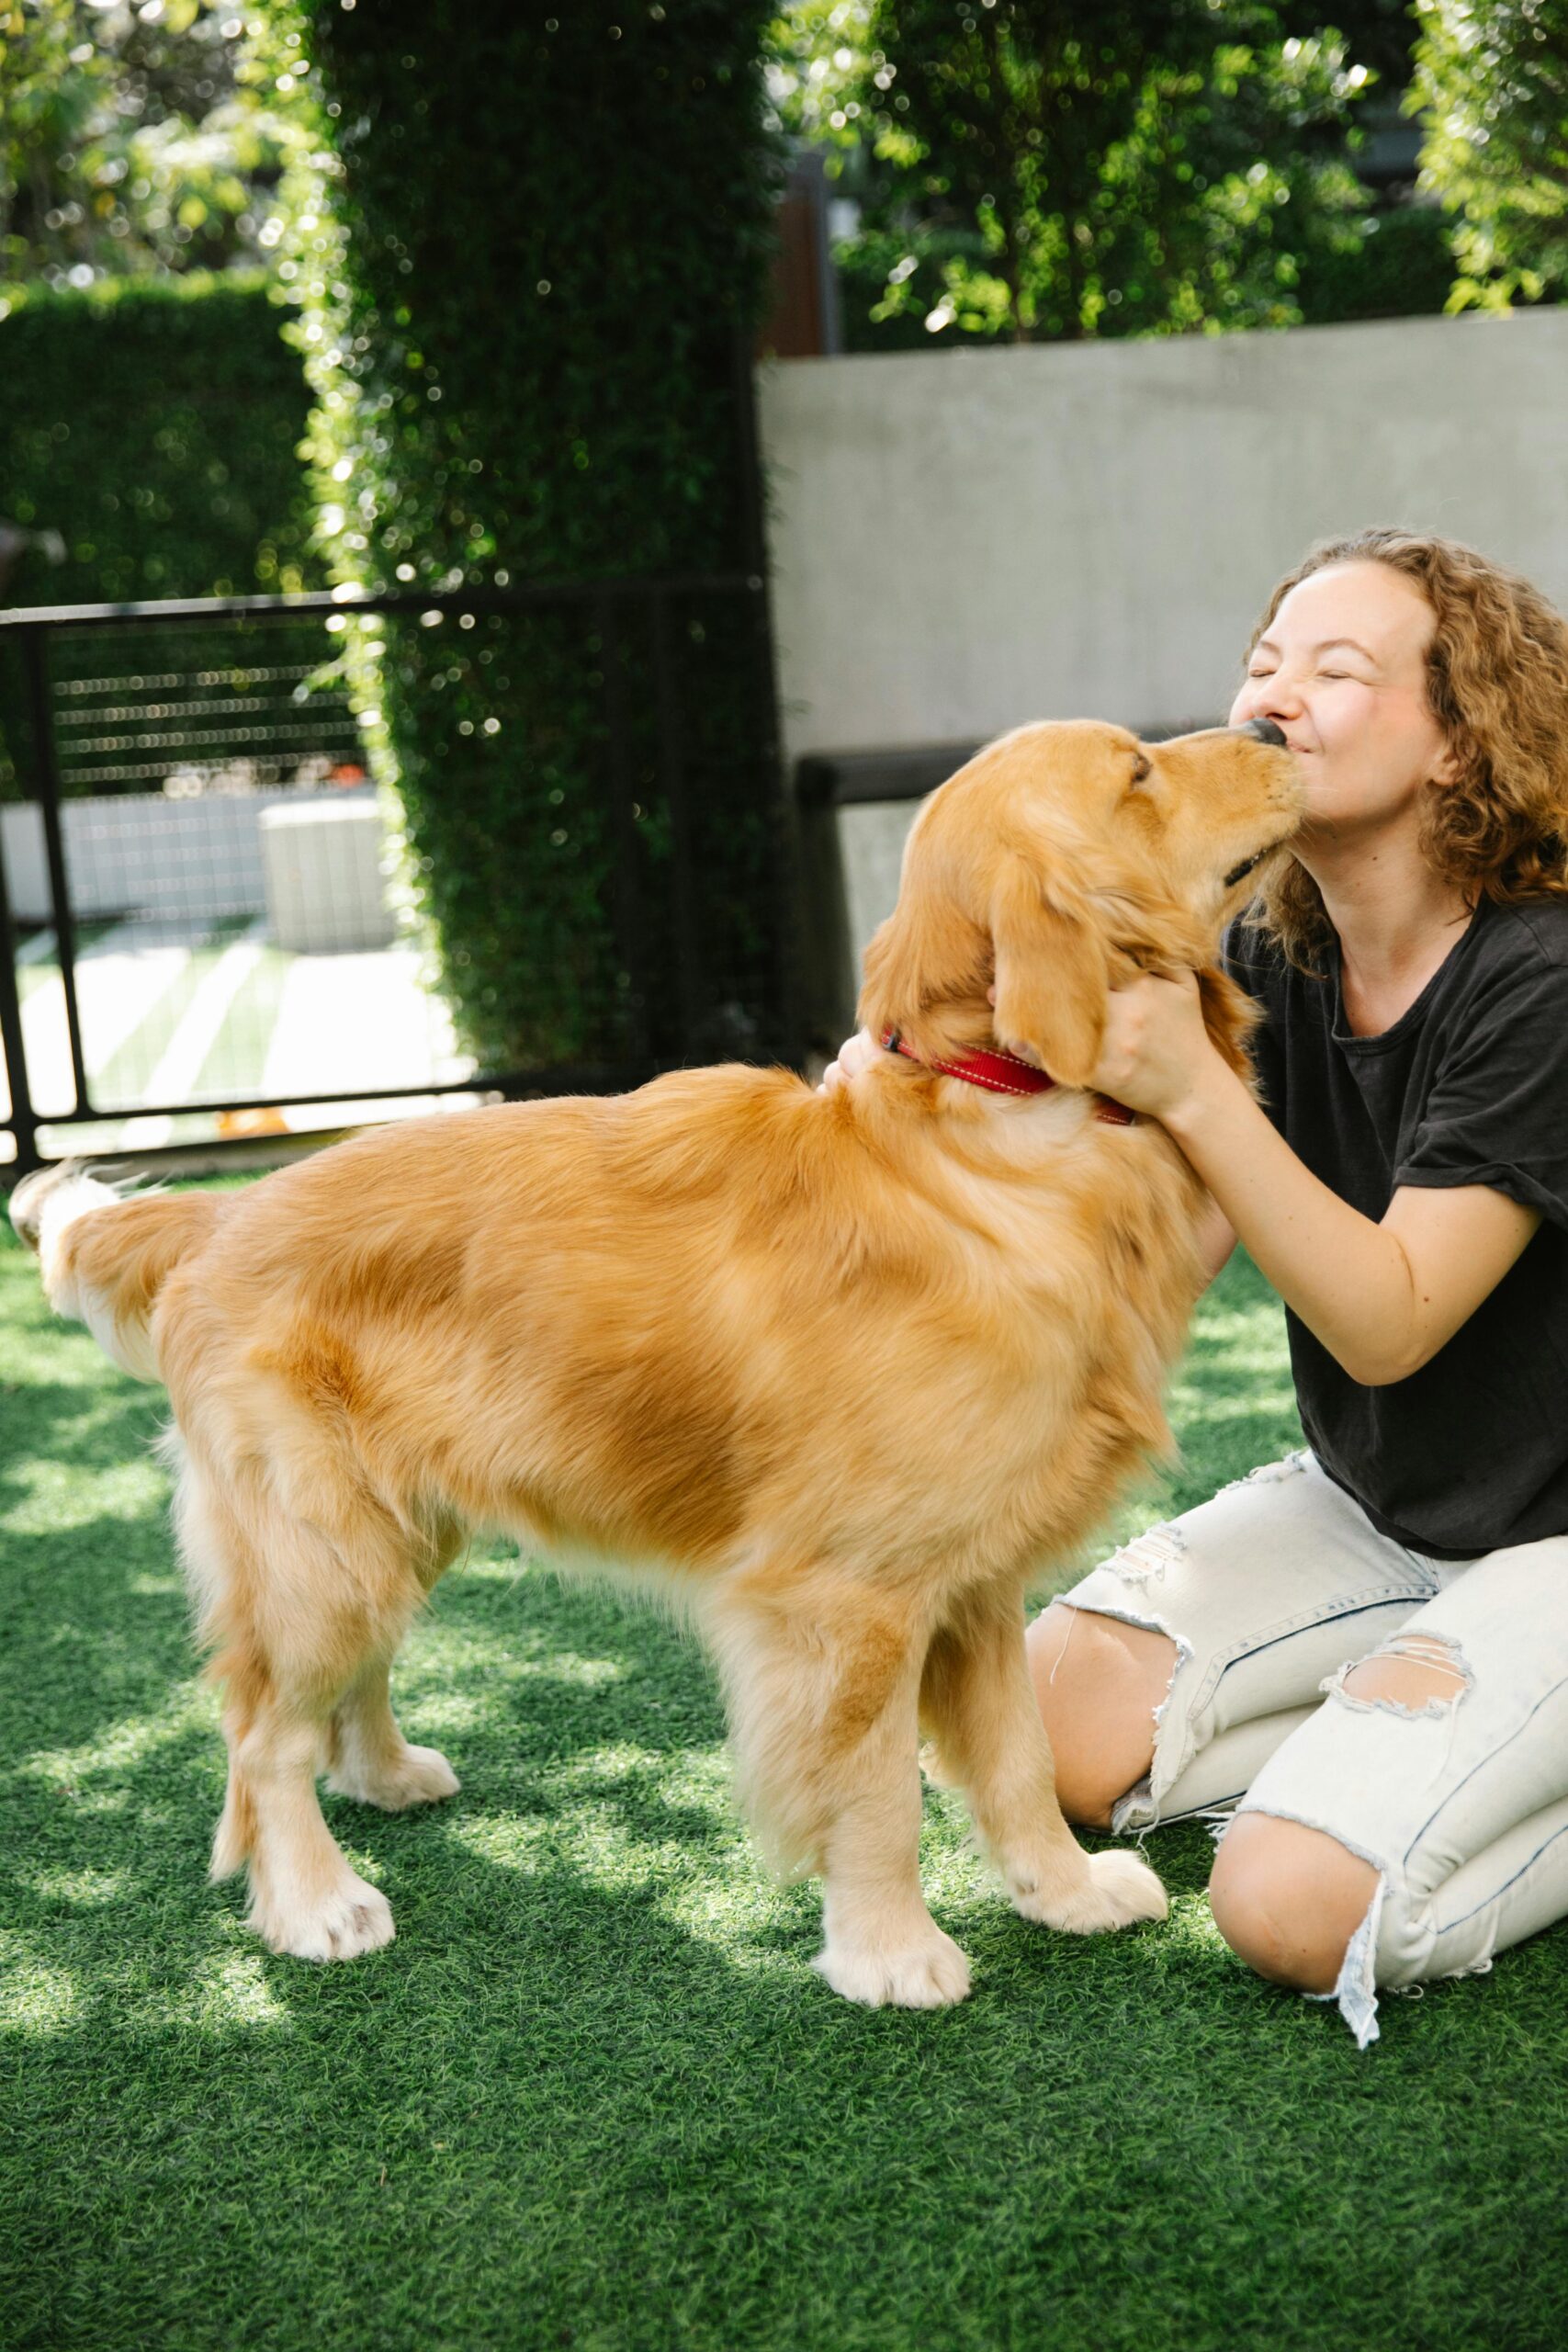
(591, 1839)
(511, 1570)
(191, 1707)
(1249, 1336)
(672, 1773)
(34, 2001)
(722, 1896)
(518, 1649)
(84, 1890)
(512, 1653)
(58, 1496)
(75, 1360)
(1191, 1923)
(585, 1826)
(739, 1915)
(227, 1989)
(445, 1711)
(1187, 1401)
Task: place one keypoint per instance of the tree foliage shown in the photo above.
(152, 426)
(138, 140)
(1492, 80)
(148, 441)
(1033, 169)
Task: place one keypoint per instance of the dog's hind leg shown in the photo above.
(368, 1757)
(976, 1697)
(298, 1621)
(823, 1719)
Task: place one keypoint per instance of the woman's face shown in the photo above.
(1341, 670)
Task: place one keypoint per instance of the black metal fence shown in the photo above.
(200, 938)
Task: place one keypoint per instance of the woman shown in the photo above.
(1404, 1188)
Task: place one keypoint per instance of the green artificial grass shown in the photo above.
(593, 2096)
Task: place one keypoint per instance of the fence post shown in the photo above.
(788, 995)
(629, 923)
(35, 662)
(23, 1121)
(673, 775)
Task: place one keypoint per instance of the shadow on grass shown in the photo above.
(97, 1429)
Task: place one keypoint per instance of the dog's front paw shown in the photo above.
(1116, 1890)
(419, 1776)
(931, 1973)
(353, 1918)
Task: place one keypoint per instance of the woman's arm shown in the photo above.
(1382, 1298)
(1217, 1240)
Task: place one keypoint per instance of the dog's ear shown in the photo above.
(1052, 977)
(928, 953)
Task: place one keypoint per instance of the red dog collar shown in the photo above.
(1001, 1073)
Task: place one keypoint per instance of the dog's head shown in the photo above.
(1063, 858)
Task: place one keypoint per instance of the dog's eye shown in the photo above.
(1141, 770)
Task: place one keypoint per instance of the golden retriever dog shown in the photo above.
(840, 1372)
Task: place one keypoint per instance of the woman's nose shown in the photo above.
(1275, 698)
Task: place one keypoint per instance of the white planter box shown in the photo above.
(194, 861)
(321, 863)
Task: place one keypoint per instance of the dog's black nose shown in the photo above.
(1266, 732)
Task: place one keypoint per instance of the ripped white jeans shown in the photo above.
(1271, 1592)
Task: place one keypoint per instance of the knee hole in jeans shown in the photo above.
(1413, 1674)
(1099, 1682)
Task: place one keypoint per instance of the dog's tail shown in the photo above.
(104, 1259)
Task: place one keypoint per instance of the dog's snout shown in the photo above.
(1264, 731)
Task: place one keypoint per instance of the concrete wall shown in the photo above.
(967, 540)
(964, 541)
(140, 854)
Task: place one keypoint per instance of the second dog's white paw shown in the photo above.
(1117, 1890)
(928, 1974)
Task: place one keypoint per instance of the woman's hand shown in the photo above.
(855, 1055)
(1155, 1050)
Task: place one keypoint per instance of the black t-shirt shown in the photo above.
(1468, 1087)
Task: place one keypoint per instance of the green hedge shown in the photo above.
(156, 426)
(536, 248)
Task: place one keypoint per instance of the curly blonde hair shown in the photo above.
(1498, 684)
